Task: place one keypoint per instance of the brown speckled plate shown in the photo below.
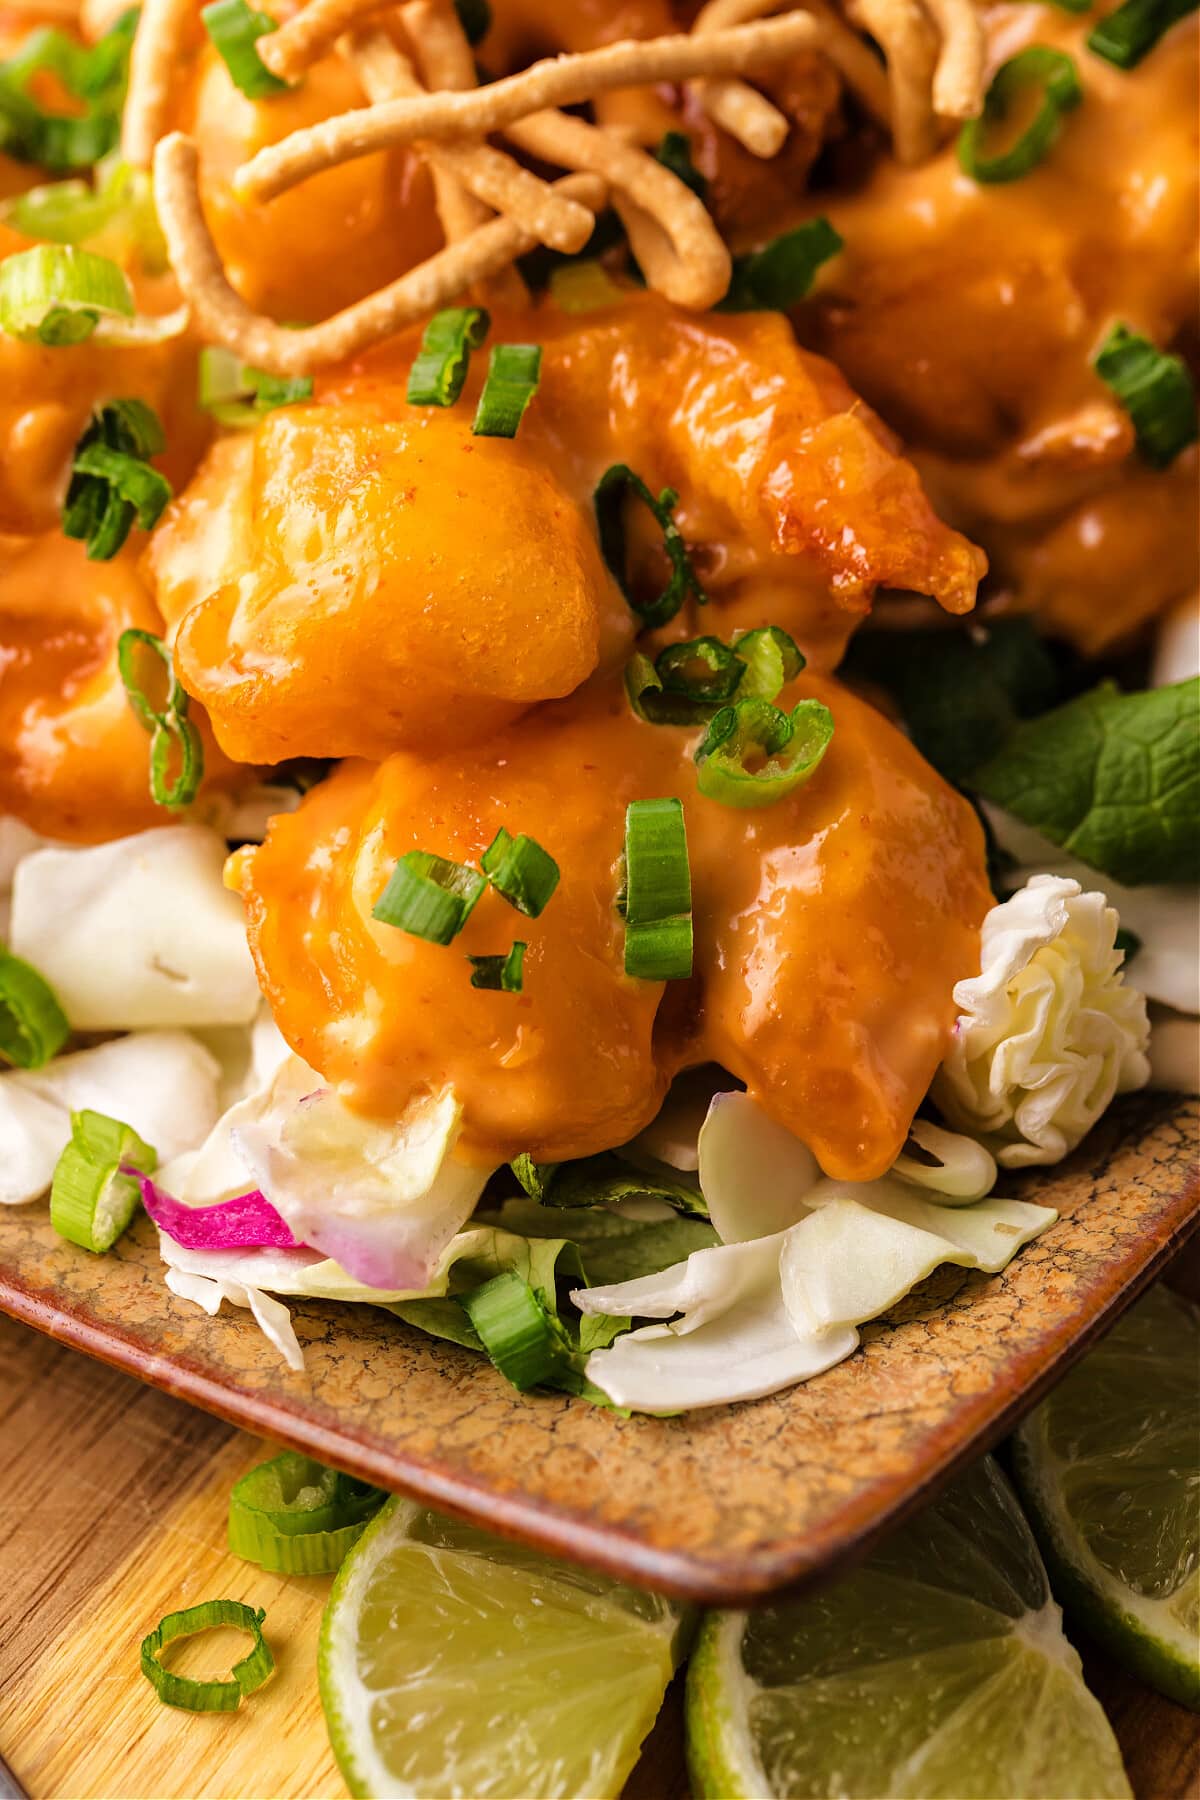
(719, 1506)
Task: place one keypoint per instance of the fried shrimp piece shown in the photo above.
(384, 578)
(361, 575)
(321, 247)
(829, 931)
(74, 761)
(970, 315)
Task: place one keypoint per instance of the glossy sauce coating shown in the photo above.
(969, 315)
(384, 545)
(830, 929)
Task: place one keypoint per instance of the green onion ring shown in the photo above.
(792, 744)
(609, 501)
(238, 395)
(675, 153)
(429, 896)
(1132, 31)
(294, 1516)
(92, 1199)
(772, 658)
(501, 974)
(658, 892)
(524, 1342)
(33, 1026)
(112, 484)
(235, 29)
(779, 275)
(1155, 389)
(208, 1696)
(1058, 77)
(439, 372)
(520, 871)
(514, 371)
(172, 733)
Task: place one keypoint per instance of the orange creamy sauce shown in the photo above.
(969, 315)
(830, 929)
(347, 580)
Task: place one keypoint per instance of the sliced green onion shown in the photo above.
(55, 294)
(438, 375)
(1132, 31)
(658, 892)
(475, 17)
(208, 1696)
(235, 29)
(659, 950)
(520, 871)
(788, 747)
(514, 371)
(703, 669)
(92, 1199)
(535, 1178)
(675, 153)
(95, 76)
(238, 395)
(137, 484)
(526, 1344)
(173, 735)
(609, 498)
(503, 974)
(1037, 66)
(33, 1026)
(1155, 389)
(294, 1516)
(116, 216)
(108, 492)
(658, 881)
(686, 683)
(772, 659)
(782, 272)
(429, 896)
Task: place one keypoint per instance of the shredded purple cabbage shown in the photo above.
(247, 1222)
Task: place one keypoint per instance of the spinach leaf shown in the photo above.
(961, 692)
(1114, 778)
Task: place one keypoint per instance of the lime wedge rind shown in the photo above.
(451, 1663)
(1144, 1635)
(885, 1684)
(346, 1705)
(720, 1751)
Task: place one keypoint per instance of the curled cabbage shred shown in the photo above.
(1048, 1032)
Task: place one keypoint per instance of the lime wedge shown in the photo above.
(454, 1664)
(1109, 1469)
(939, 1668)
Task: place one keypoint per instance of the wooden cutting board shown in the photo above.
(113, 1513)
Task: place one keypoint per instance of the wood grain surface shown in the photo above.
(720, 1505)
(114, 1505)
